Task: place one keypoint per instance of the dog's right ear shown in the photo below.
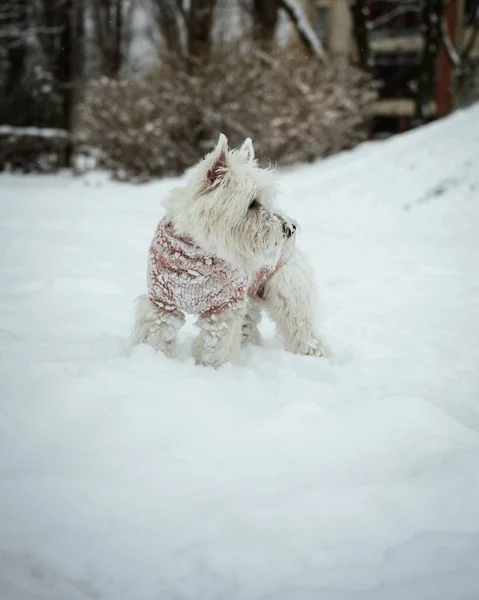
(220, 160)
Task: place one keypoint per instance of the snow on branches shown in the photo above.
(295, 110)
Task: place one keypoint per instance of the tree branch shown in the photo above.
(400, 10)
(469, 45)
(181, 10)
(297, 15)
(473, 16)
(451, 51)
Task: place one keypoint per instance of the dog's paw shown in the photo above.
(209, 359)
(160, 344)
(313, 347)
(319, 350)
(250, 335)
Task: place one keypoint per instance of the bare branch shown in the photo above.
(165, 14)
(297, 15)
(181, 9)
(470, 43)
(451, 51)
(400, 10)
(16, 32)
(473, 17)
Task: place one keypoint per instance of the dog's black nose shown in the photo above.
(288, 230)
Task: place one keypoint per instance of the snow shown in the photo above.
(277, 477)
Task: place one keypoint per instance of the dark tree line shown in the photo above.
(50, 50)
(47, 46)
(43, 44)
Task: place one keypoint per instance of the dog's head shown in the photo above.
(228, 207)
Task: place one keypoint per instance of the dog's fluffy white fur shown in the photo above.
(227, 208)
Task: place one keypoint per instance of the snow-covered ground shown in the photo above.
(278, 477)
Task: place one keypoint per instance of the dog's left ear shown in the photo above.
(248, 149)
(220, 160)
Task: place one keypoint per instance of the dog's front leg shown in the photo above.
(156, 327)
(252, 318)
(219, 337)
(289, 297)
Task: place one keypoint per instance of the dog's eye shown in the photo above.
(253, 204)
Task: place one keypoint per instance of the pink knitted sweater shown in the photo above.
(182, 276)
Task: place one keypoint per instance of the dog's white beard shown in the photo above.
(254, 241)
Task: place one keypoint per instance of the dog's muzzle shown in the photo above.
(288, 229)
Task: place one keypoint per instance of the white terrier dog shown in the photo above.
(224, 252)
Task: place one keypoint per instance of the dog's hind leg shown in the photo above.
(250, 330)
(219, 338)
(156, 327)
(289, 296)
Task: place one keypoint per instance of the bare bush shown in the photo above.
(32, 149)
(293, 107)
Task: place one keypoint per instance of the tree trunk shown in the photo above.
(166, 16)
(108, 23)
(432, 14)
(446, 66)
(200, 25)
(118, 37)
(65, 67)
(265, 19)
(360, 13)
(15, 45)
(79, 40)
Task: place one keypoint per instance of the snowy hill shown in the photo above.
(276, 478)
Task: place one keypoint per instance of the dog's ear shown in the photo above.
(247, 148)
(220, 160)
